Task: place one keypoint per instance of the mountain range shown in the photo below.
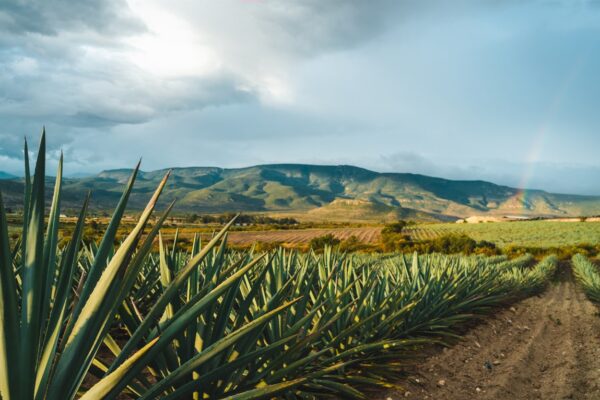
(6, 175)
(322, 192)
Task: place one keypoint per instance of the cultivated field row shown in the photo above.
(527, 233)
(302, 236)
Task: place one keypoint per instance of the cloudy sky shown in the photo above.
(506, 91)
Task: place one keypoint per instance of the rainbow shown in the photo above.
(533, 156)
(537, 146)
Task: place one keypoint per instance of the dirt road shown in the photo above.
(545, 347)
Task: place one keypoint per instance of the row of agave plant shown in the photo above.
(587, 275)
(98, 321)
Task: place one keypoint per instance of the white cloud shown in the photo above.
(172, 47)
(110, 62)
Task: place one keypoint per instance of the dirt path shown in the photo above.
(545, 347)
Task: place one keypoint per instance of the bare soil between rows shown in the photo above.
(544, 347)
(368, 234)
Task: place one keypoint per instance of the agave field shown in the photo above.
(95, 320)
(521, 233)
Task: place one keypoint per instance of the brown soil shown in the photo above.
(302, 236)
(545, 347)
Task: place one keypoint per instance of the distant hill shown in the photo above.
(327, 192)
(6, 175)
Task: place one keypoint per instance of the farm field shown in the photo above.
(542, 234)
(539, 234)
(526, 233)
(176, 323)
(369, 234)
(291, 237)
(307, 200)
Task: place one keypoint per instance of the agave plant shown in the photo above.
(50, 333)
(587, 275)
(356, 317)
(215, 323)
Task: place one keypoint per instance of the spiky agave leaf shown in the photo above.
(587, 275)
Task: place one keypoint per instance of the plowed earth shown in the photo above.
(302, 236)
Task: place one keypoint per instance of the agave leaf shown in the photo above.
(224, 371)
(181, 321)
(167, 296)
(106, 384)
(165, 275)
(265, 390)
(91, 324)
(9, 319)
(50, 246)
(101, 254)
(26, 197)
(32, 275)
(213, 350)
(59, 308)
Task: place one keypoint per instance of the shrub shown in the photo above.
(395, 227)
(353, 243)
(262, 247)
(319, 242)
(446, 244)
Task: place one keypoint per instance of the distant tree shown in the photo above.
(207, 219)
(267, 246)
(191, 218)
(287, 221)
(353, 243)
(447, 244)
(395, 227)
(319, 242)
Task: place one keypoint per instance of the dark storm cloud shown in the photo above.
(62, 64)
(50, 17)
(313, 26)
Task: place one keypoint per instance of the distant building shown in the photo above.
(476, 219)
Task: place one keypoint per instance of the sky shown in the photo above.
(505, 91)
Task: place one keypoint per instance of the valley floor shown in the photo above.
(545, 347)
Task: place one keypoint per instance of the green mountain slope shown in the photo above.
(323, 191)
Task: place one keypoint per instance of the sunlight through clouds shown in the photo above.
(171, 47)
